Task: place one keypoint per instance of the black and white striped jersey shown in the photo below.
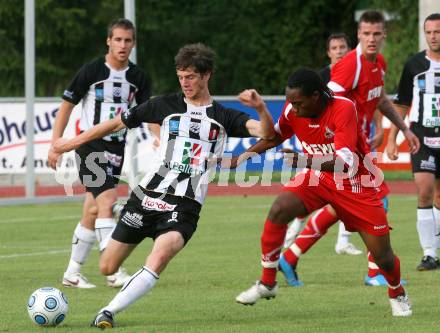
(190, 137)
(419, 88)
(106, 92)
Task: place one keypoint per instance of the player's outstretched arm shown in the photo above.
(64, 145)
(386, 107)
(260, 147)
(392, 149)
(263, 128)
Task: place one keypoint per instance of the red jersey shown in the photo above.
(337, 132)
(361, 81)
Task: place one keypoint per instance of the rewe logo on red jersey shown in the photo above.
(318, 148)
(374, 93)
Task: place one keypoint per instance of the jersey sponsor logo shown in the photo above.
(431, 116)
(113, 159)
(432, 142)
(374, 93)
(329, 133)
(156, 204)
(318, 148)
(428, 164)
(132, 219)
(114, 111)
(314, 125)
(191, 153)
(194, 127)
(191, 161)
(99, 94)
(174, 126)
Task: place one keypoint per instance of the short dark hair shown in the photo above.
(309, 81)
(120, 23)
(432, 17)
(337, 35)
(198, 56)
(372, 16)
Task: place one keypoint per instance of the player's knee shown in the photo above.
(107, 268)
(93, 210)
(385, 260)
(425, 197)
(279, 211)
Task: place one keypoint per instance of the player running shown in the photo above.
(340, 174)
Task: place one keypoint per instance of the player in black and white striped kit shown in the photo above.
(168, 200)
(107, 86)
(419, 92)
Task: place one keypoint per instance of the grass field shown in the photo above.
(196, 293)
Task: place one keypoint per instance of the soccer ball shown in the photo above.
(47, 306)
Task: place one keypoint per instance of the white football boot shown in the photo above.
(401, 306)
(77, 280)
(118, 279)
(254, 293)
(348, 248)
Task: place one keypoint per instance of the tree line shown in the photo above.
(258, 42)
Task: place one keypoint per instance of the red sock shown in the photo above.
(393, 279)
(271, 243)
(373, 269)
(315, 228)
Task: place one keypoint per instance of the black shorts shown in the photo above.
(99, 164)
(427, 159)
(150, 214)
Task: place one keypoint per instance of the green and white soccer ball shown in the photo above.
(47, 306)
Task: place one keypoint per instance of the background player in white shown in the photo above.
(107, 86)
(419, 93)
(167, 203)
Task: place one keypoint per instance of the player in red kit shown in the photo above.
(359, 76)
(335, 152)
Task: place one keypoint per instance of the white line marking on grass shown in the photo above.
(30, 219)
(18, 255)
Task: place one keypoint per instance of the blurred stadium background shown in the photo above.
(253, 50)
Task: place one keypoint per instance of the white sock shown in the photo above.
(293, 231)
(436, 212)
(343, 236)
(139, 284)
(82, 242)
(426, 229)
(104, 228)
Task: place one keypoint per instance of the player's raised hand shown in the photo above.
(251, 98)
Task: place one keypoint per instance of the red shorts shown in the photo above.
(359, 211)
